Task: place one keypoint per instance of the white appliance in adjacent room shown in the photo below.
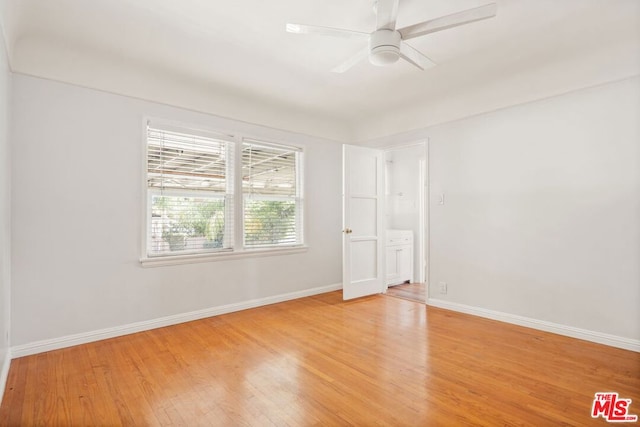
(399, 257)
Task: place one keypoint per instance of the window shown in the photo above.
(190, 192)
(272, 194)
(202, 187)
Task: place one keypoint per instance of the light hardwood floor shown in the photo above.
(411, 291)
(322, 361)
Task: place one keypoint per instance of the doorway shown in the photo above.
(406, 221)
(385, 219)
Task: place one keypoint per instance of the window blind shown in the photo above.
(272, 194)
(190, 191)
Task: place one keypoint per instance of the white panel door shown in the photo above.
(363, 216)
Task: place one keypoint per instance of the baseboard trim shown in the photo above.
(569, 331)
(4, 374)
(101, 334)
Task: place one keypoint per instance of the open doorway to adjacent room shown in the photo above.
(406, 250)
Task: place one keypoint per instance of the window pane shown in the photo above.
(272, 194)
(269, 222)
(190, 224)
(190, 192)
(178, 160)
(269, 170)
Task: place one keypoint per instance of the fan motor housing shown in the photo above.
(384, 47)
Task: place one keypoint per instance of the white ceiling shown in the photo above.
(234, 58)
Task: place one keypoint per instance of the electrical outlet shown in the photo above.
(442, 286)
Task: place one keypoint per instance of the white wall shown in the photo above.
(77, 218)
(5, 208)
(542, 211)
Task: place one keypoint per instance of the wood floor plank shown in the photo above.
(323, 361)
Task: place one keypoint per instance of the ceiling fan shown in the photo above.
(387, 44)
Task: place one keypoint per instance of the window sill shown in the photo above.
(220, 256)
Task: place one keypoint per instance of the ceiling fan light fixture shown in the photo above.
(384, 47)
(384, 55)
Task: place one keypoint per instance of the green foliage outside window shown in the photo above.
(184, 217)
(269, 222)
(178, 219)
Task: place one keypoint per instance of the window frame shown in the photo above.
(239, 250)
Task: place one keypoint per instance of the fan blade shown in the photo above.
(415, 57)
(346, 65)
(386, 14)
(326, 31)
(449, 21)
